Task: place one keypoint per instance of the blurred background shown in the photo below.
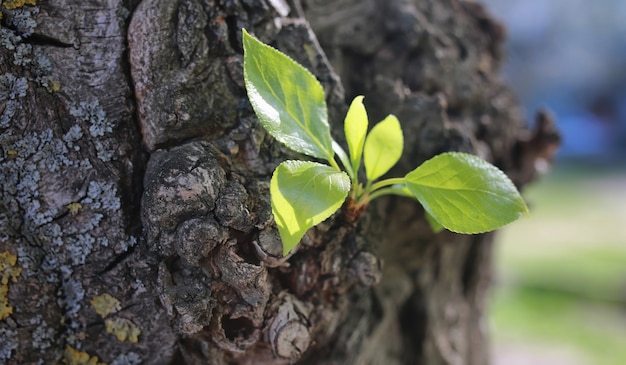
(560, 293)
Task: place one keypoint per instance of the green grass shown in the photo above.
(561, 274)
(545, 317)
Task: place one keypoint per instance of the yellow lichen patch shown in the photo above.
(123, 329)
(74, 208)
(54, 87)
(105, 304)
(11, 153)
(8, 271)
(71, 356)
(14, 4)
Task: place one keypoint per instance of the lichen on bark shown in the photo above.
(9, 272)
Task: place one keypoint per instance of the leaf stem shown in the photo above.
(390, 191)
(383, 183)
(334, 164)
(375, 190)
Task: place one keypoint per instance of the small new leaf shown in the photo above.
(383, 147)
(287, 99)
(465, 194)
(304, 194)
(355, 127)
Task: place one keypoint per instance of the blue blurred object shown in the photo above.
(570, 56)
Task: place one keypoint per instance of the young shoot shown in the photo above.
(459, 191)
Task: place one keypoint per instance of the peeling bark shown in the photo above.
(135, 190)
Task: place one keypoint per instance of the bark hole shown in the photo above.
(245, 250)
(236, 328)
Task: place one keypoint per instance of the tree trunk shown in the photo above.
(135, 217)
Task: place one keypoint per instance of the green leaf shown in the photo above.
(304, 194)
(465, 193)
(355, 127)
(287, 99)
(383, 147)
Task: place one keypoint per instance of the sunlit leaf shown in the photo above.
(383, 147)
(287, 99)
(465, 194)
(355, 127)
(304, 194)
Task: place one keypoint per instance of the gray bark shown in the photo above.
(135, 184)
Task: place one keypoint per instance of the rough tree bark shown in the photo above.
(134, 213)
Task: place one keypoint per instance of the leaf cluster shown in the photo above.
(459, 191)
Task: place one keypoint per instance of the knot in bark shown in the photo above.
(289, 328)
